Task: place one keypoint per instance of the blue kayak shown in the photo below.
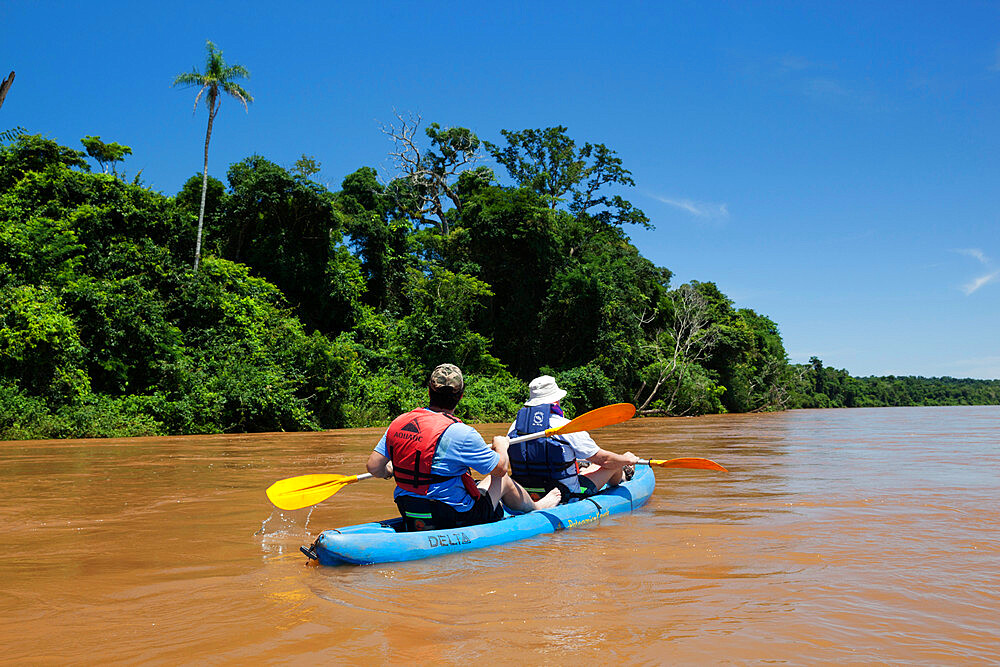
(379, 541)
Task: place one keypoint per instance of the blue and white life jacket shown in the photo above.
(542, 464)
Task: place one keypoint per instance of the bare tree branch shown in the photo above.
(5, 87)
(431, 175)
(690, 338)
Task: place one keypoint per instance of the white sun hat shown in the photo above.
(544, 390)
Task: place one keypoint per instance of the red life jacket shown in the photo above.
(411, 441)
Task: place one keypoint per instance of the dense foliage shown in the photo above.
(314, 308)
(816, 386)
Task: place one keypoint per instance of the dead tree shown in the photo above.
(432, 175)
(688, 340)
(5, 86)
(776, 394)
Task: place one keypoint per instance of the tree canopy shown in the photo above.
(105, 154)
(316, 308)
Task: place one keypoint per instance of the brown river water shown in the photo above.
(838, 536)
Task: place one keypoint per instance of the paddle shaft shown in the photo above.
(532, 436)
(606, 416)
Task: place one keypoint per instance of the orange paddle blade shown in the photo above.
(305, 490)
(698, 464)
(606, 416)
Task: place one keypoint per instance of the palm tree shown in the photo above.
(217, 78)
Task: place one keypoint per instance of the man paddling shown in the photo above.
(551, 463)
(430, 451)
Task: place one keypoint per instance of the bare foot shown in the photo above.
(549, 500)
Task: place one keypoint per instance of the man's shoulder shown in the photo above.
(464, 432)
(464, 445)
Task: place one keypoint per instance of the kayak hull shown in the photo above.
(378, 542)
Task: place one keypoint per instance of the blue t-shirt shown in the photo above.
(460, 448)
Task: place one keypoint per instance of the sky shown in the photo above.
(834, 166)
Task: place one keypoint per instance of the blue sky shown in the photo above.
(834, 166)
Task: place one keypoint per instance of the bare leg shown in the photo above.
(492, 487)
(548, 501)
(599, 476)
(514, 496)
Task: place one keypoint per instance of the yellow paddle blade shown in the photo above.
(698, 464)
(305, 490)
(606, 416)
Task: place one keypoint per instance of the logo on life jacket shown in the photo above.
(537, 419)
(411, 442)
(410, 431)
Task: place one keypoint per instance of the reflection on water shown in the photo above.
(850, 536)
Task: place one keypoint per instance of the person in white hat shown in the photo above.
(544, 464)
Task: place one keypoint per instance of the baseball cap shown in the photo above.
(447, 378)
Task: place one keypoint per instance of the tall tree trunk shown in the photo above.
(204, 184)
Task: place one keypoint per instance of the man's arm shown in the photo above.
(607, 459)
(379, 466)
(500, 445)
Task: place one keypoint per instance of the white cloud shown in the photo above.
(819, 88)
(698, 209)
(984, 279)
(987, 368)
(791, 63)
(975, 253)
(972, 286)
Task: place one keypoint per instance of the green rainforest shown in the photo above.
(270, 302)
